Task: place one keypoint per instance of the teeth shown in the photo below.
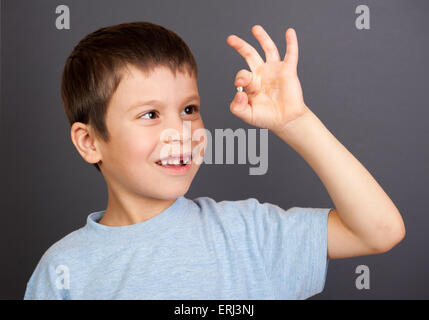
(175, 161)
(186, 160)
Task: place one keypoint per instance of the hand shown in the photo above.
(273, 95)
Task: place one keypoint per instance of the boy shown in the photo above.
(123, 86)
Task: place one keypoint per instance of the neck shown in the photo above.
(126, 209)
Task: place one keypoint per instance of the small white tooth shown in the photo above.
(186, 159)
(173, 161)
(164, 162)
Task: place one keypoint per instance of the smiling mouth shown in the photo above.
(181, 161)
(181, 164)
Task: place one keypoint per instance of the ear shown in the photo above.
(85, 143)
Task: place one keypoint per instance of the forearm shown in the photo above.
(361, 203)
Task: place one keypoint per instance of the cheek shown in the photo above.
(198, 132)
(136, 146)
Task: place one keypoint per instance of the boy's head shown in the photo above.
(109, 86)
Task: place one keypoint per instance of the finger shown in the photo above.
(241, 108)
(291, 57)
(244, 78)
(249, 53)
(270, 48)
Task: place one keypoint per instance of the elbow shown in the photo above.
(392, 235)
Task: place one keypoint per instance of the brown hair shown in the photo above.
(96, 66)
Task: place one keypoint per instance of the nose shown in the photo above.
(177, 131)
(176, 139)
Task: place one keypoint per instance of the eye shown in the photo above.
(191, 108)
(150, 113)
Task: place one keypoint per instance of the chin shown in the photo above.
(171, 195)
(172, 192)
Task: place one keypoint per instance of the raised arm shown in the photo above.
(365, 220)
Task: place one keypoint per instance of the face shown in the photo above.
(141, 117)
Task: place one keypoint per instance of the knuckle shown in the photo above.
(247, 54)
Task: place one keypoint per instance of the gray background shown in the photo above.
(369, 87)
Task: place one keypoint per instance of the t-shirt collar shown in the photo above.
(164, 219)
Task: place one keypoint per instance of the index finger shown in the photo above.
(249, 53)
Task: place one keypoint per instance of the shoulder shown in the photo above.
(243, 208)
(236, 214)
(65, 250)
(56, 261)
(207, 203)
(262, 214)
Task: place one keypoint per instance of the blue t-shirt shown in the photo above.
(194, 249)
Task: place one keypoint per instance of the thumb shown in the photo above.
(240, 107)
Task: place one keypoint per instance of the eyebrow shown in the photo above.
(158, 102)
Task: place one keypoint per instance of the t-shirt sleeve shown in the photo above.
(48, 282)
(294, 247)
